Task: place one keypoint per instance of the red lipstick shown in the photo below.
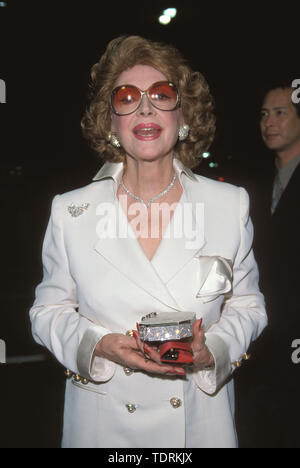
(147, 131)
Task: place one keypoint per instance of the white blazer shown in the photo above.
(96, 282)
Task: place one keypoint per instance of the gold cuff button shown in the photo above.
(68, 374)
(76, 377)
(246, 357)
(237, 364)
(128, 371)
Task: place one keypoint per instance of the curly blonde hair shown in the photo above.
(197, 105)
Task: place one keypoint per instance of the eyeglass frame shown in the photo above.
(142, 93)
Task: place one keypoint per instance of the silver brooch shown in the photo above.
(76, 211)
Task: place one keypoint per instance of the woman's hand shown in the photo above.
(130, 352)
(202, 356)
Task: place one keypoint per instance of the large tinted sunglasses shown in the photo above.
(163, 95)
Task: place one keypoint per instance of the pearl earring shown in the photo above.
(113, 139)
(183, 132)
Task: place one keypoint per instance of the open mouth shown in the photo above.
(148, 131)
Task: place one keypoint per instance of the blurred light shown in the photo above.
(16, 171)
(221, 179)
(205, 155)
(3, 4)
(164, 19)
(212, 164)
(172, 12)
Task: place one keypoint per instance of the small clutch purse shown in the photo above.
(172, 333)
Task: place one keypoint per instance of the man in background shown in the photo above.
(280, 128)
(269, 386)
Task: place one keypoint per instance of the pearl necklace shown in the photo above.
(152, 199)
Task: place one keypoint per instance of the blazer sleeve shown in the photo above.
(55, 316)
(243, 315)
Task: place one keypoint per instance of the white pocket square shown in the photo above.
(215, 277)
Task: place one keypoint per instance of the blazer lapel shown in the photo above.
(184, 238)
(121, 248)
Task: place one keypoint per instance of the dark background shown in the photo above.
(47, 50)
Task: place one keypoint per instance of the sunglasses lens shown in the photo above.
(125, 99)
(163, 95)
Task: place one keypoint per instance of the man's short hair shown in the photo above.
(280, 83)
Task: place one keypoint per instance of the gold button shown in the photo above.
(237, 364)
(176, 402)
(77, 378)
(84, 381)
(131, 408)
(68, 374)
(128, 371)
(246, 357)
